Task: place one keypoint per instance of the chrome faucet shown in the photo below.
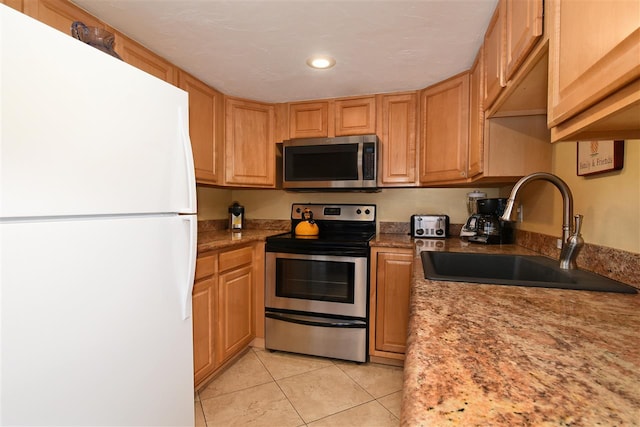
(572, 241)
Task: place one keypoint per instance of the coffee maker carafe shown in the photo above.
(471, 227)
(489, 228)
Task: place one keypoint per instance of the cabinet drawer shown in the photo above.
(235, 258)
(205, 266)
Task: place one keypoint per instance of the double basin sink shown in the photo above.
(514, 270)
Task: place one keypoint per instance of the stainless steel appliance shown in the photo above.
(430, 226)
(341, 163)
(486, 225)
(317, 287)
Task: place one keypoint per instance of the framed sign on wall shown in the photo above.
(599, 156)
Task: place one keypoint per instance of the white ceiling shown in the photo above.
(258, 49)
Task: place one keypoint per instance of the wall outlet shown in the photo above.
(559, 243)
(520, 214)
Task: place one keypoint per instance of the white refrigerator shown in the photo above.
(97, 237)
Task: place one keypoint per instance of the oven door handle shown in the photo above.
(317, 321)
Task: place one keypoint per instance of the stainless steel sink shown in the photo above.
(514, 270)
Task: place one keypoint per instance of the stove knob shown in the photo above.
(298, 210)
(367, 211)
(358, 211)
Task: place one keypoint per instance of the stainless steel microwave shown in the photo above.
(340, 163)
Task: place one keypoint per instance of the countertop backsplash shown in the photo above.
(609, 262)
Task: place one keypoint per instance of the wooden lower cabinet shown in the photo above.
(391, 270)
(236, 325)
(224, 308)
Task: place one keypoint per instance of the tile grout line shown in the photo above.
(304, 423)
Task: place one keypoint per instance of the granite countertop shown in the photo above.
(503, 356)
(219, 239)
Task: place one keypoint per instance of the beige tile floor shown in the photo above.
(276, 389)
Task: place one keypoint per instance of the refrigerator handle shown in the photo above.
(183, 120)
(191, 222)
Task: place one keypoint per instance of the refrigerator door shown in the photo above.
(93, 328)
(82, 133)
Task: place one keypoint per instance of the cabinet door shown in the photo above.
(355, 116)
(142, 58)
(397, 130)
(205, 127)
(445, 130)
(476, 119)
(16, 4)
(59, 14)
(594, 50)
(204, 328)
(309, 119)
(393, 280)
(250, 156)
(493, 60)
(523, 29)
(236, 311)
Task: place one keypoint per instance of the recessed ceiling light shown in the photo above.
(321, 62)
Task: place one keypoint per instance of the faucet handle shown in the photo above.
(577, 224)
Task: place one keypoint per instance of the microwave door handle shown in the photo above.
(360, 162)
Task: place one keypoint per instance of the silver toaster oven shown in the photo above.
(430, 226)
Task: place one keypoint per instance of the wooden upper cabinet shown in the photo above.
(523, 29)
(594, 51)
(476, 119)
(309, 119)
(249, 143)
(142, 58)
(16, 4)
(355, 116)
(206, 121)
(397, 129)
(59, 14)
(493, 57)
(444, 129)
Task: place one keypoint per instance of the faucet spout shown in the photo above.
(567, 203)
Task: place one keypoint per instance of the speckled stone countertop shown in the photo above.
(489, 355)
(219, 239)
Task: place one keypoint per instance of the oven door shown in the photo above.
(321, 284)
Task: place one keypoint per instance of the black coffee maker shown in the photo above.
(487, 226)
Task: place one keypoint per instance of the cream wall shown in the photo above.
(396, 205)
(610, 202)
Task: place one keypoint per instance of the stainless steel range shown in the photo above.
(317, 287)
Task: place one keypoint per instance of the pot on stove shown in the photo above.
(307, 227)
